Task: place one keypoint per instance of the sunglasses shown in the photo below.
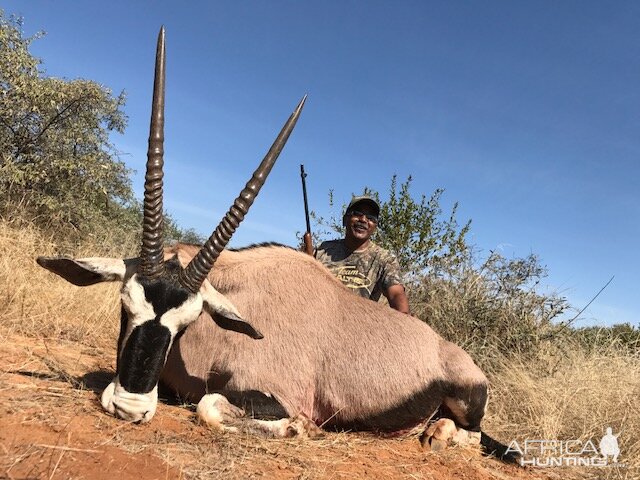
(368, 216)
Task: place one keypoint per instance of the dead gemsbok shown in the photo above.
(270, 330)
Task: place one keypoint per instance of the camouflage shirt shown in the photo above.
(367, 273)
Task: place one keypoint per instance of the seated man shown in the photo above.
(367, 269)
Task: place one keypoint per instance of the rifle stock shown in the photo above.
(308, 243)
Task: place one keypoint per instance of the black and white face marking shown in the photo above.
(153, 312)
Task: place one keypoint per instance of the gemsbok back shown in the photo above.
(267, 330)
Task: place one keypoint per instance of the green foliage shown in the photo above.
(492, 310)
(172, 232)
(623, 335)
(58, 167)
(57, 162)
(413, 230)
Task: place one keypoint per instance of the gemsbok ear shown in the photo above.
(89, 271)
(224, 313)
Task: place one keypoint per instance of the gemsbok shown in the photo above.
(268, 330)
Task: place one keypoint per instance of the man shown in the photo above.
(364, 267)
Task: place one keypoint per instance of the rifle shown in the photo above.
(308, 242)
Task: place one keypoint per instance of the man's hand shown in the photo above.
(397, 298)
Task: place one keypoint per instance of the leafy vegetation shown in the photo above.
(57, 161)
(413, 230)
(58, 167)
(623, 336)
(491, 308)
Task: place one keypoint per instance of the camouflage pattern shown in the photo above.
(367, 273)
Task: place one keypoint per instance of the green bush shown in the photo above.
(413, 230)
(623, 336)
(492, 310)
(58, 167)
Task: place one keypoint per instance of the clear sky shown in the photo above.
(526, 113)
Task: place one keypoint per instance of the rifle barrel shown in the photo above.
(303, 175)
(308, 242)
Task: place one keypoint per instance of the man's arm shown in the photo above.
(397, 298)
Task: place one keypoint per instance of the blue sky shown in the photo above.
(527, 114)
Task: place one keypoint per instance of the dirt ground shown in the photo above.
(52, 427)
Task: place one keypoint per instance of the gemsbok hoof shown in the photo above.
(301, 426)
(443, 433)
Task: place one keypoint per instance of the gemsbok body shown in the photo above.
(269, 330)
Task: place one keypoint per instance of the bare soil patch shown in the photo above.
(52, 427)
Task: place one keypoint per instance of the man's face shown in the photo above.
(360, 222)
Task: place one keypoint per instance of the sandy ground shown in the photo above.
(52, 427)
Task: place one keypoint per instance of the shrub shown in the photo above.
(493, 310)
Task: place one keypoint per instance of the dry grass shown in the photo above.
(569, 395)
(36, 303)
(574, 396)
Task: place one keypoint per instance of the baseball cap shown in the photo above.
(365, 199)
